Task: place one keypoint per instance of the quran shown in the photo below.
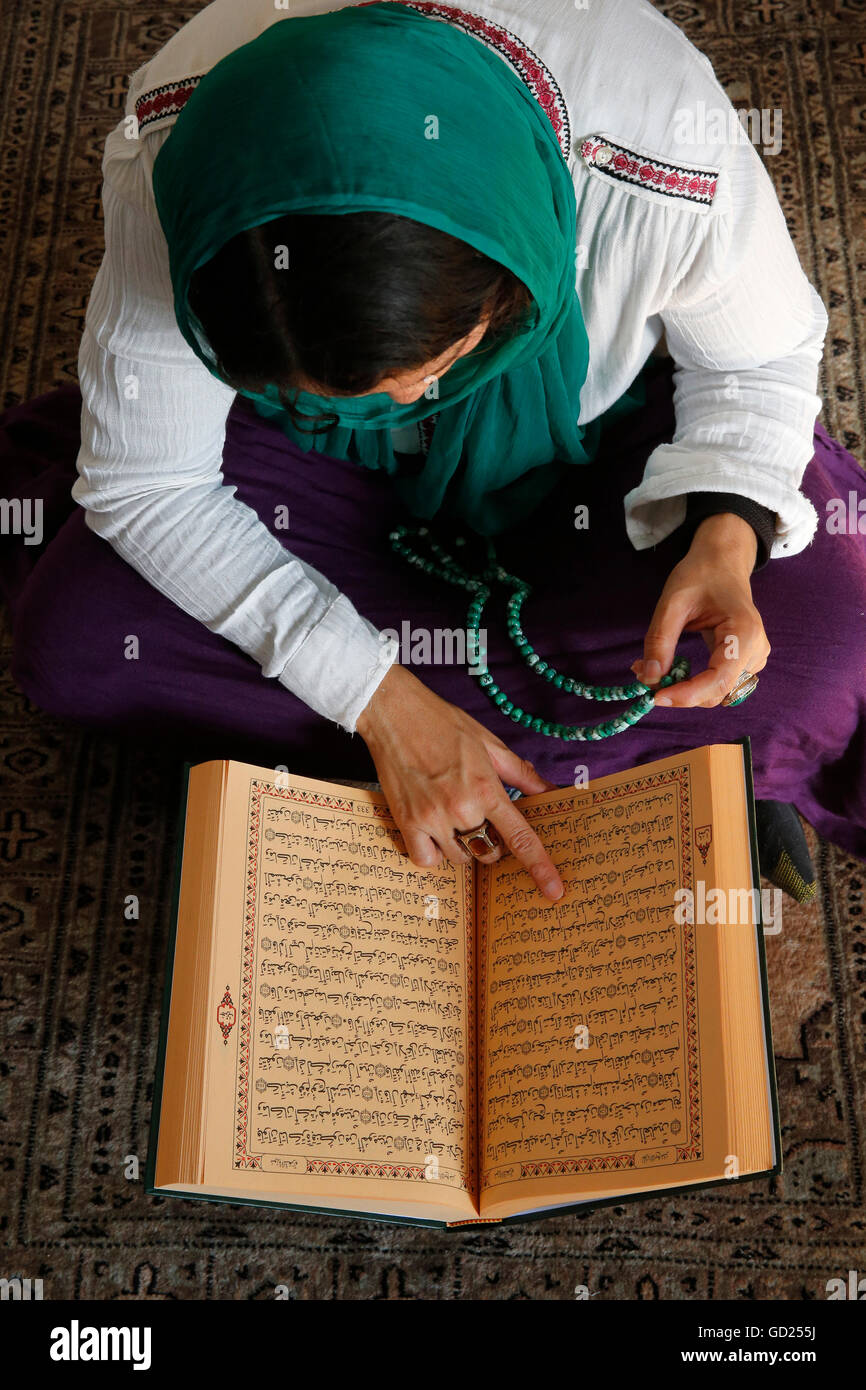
(345, 1032)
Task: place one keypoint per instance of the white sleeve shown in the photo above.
(152, 433)
(746, 330)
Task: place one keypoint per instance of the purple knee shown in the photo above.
(68, 652)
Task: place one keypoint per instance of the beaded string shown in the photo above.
(480, 588)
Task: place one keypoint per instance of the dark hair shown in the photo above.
(365, 295)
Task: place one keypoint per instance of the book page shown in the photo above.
(341, 1051)
(598, 1071)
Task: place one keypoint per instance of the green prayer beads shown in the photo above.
(480, 587)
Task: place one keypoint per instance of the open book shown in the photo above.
(345, 1032)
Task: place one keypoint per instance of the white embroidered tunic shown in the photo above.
(681, 240)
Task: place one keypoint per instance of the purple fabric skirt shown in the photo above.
(73, 600)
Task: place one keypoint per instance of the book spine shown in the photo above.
(153, 1141)
(746, 743)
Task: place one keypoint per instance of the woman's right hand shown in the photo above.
(441, 771)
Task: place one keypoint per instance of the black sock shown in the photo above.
(783, 852)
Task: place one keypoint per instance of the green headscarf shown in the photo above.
(331, 114)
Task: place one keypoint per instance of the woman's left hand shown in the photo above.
(709, 591)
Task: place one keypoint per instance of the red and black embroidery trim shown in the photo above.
(164, 101)
(694, 185)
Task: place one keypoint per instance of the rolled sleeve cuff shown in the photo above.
(339, 664)
(658, 505)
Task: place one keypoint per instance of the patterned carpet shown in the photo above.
(89, 820)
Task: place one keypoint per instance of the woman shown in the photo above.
(443, 245)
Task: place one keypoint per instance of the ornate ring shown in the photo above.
(479, 833)
(742, 690)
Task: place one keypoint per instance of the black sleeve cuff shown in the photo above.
(700, 505)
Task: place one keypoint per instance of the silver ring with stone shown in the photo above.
(742, 690)
(479, 834)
